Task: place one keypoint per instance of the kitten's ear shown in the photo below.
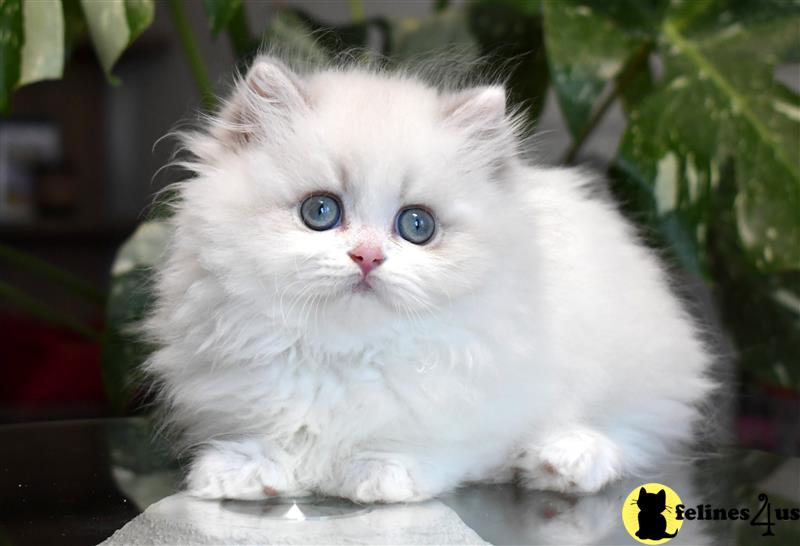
(480, 114)
(662, 495)
(480, 108)
(274, 84)
(642, 491)
(269, 94)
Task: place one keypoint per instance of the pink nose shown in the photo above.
(367, 256)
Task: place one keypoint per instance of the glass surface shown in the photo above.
(296, 508)
(77, 482)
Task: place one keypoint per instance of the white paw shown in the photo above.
(576, 461)
(377, 480)
(236, 471)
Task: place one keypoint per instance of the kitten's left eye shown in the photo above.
(416, 225)
(321, 212)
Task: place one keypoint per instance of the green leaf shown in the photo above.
(588, 44)
(139, 14)
(44, 311)
(74, 24)
(11, 40)
(510, 36)
(43, 51)
(114, 25)
(123, 352)
(762, 312)
(764, 316)
(634, 17)
(440, 5)
(709, 163)
(129, 300)
(719, 101)
(668, 197)
(220, 13)
(30, 265)
(640, 85)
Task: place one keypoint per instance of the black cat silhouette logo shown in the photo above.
(649, 514)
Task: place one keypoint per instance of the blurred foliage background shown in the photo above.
(708, 165)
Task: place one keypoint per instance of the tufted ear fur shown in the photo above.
(261, 103)
(480, 113)
(479, 107)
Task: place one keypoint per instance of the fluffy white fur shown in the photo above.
(534, 334)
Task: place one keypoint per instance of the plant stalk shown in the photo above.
(40, 310)
(239, 34)
(357, 11)
(637, 62)
(59, 276)
(196, 65)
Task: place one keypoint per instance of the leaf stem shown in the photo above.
(196, 64)
(57, 275)
(636, 63)
(38, 309)
(239, 34)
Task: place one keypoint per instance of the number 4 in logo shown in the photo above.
(765, 505)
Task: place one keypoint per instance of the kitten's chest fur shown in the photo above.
(408, 389)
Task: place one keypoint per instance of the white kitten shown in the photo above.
(531, 333)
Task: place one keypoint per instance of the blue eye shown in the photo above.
(321, 212)
(416, 225)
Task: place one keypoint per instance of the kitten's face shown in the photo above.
(375, 148)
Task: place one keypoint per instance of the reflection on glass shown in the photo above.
(296, 508)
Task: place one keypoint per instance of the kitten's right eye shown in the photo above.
(321, 212)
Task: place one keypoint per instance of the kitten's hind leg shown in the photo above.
(576, 460)
(239, 470)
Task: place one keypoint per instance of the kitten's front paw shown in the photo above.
(377, 480)
(577, 461)
(236, 471)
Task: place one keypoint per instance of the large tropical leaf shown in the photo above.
(31, 44)
(43, 51)
(719, 102)
(589, 43)
(710, 161)
(114, 25)
(11, 40)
